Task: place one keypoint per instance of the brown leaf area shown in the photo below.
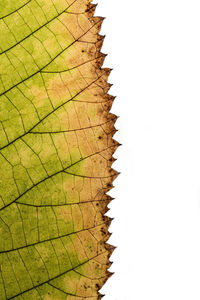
(56, 149)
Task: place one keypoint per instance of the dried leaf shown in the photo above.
(56, 151)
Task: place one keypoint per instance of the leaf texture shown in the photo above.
(56, 150)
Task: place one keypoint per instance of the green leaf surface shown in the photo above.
(56, 150)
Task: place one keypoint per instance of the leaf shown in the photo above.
(56, 151)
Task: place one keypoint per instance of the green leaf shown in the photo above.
(56, 150)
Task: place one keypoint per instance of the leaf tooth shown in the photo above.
(110, 249)
(106, 199)
(106, 209)
(100, 60)
(107, 72)
(117, 144)
(106, 236)
(112, 160)
(91, 9)
(109, 264)
(109, 274)
(100, 296)
(99, 43)
(109, 86)
(108, 103)
(107, 220)
(113, 131)
(109, 234)
(98, 22)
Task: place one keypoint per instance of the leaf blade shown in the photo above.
(56, 150)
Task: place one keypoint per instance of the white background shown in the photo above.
(154, 48)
